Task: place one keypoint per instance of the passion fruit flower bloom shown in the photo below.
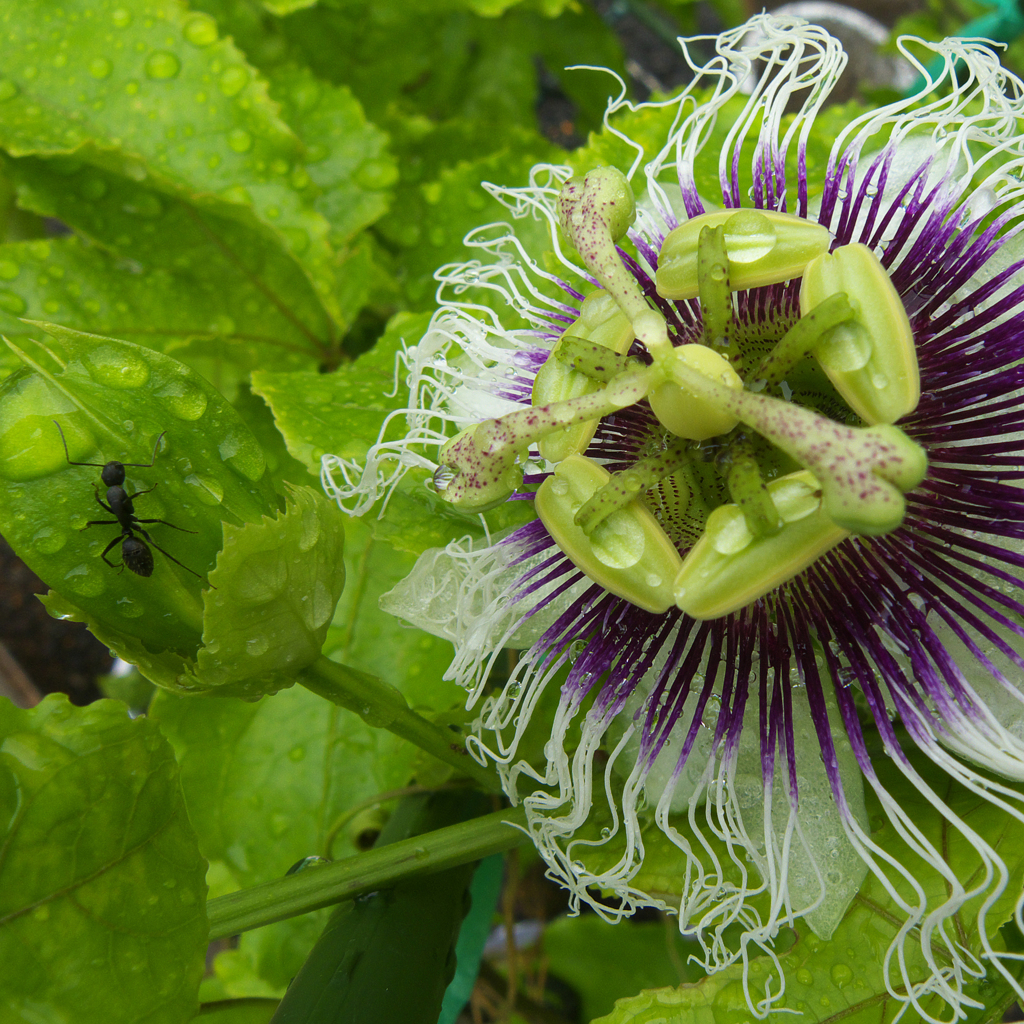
(772, 438)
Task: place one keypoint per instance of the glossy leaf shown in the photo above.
(430, 219)
(101, 884)
(347, 158)
(151, 91)
(341, 412)
(287, 768)
(291, 765)
(114, 400)
(277, 583)
(237, 1011)
(235, 288)
(372, 641)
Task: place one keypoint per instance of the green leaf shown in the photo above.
(237, 1011)
(346, 157)
(115, 400)
(341, 412)
(430, 219)
(277, 583)
(372, 641)
(101, 884)
(149, 91)
(192, 277)
(264, 784)
(283, 7)
(603, 964)
(444, 61)
(289, 766)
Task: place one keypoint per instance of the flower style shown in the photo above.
(772, 442)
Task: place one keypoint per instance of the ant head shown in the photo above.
(112, 474)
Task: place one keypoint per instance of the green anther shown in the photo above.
(747, 489)
(480, 467)
(628, 484)
(628, 553)
(600, 322)
(871, 359)
(684, 411)
(715, 293)
(864, 471)
(595, 211)
(763, 247)
(729, 566)
(802, 337)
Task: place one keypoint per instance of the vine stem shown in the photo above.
(378, 868)
(382, 706)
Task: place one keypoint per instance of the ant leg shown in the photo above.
(132, 497)
(100, 522)
(99, 501)
(165, 523)
(167, 554)
(103, 554)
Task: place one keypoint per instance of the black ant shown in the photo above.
(135, 555)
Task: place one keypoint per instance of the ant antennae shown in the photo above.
(67, 455)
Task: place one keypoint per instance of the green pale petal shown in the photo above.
(729, 567)
(602, 322)
(628, 553)
(763, 248)
(870, 359)
(684, 413)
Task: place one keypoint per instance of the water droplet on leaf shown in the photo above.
(116, 367)
(200, 30)
(207, 490)
(184, 399)
(100, 67)
(233, 80)
(162, 65)
(239, 140)
(257, 646)
(11, 302)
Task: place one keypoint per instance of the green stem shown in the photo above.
(376, 869)
(381, 706)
